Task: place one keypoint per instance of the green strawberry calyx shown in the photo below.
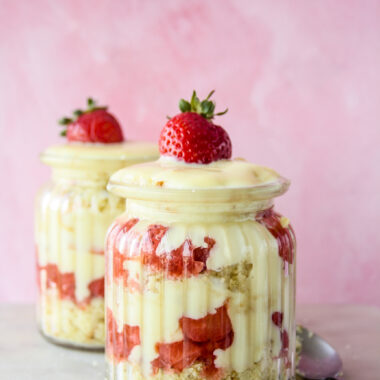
(205, 108)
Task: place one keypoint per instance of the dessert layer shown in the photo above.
(161, 275)
(267, 369)
(67, 322)
(169, 173)
(71, 225)
(217, 245)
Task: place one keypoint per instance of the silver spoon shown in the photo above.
(318, 360)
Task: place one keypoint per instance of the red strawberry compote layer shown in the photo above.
(73, 213)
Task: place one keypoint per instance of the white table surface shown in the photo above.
(25, 355)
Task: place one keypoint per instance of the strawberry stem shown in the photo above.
(77, 113)
(204, 108)
(90, 103)
(65, 121)
(210, 94)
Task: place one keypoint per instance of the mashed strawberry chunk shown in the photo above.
(120, 343)
(201, 338)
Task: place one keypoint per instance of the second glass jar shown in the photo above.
(73, 213)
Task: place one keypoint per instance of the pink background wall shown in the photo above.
(301, 80)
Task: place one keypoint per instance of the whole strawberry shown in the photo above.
(192, 137)
(94, 125)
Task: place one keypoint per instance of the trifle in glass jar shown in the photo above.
(200, 269)
(73, 213)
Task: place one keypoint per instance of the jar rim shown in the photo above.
(263, 191)
(87, 154)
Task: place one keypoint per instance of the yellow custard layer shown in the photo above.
(172, 174)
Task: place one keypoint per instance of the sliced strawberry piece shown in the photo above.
(152, 238)
(284, 340)
(116, 233)
(118, 267)
(67, 286)
(202, 337)
(210, 346)
(123, 229)
(96, 288)
(52, 275)
(211, 327)
(175, 263)
(64, 282)
(225, 342)
(277, 318)
(284, 236)
(120, 344)
(150, 241)
(111, 235)
(201, 254)
(177, 355)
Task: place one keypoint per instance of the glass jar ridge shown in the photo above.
(73, 212)
(200, 285)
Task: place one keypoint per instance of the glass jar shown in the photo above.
(73, 212)
(200, 283)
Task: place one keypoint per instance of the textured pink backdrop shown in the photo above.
(301, 80)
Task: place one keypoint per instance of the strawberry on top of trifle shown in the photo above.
(95, 140)
(195, 154)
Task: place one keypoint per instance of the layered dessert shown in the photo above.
(200, 271)
(73, 213)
